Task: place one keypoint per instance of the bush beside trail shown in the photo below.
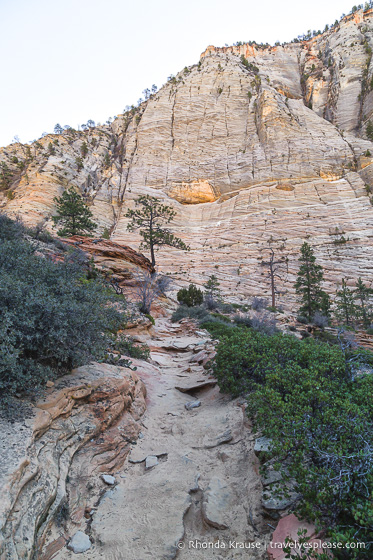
(305, 396)
(55, 315)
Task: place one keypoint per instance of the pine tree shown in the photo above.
(5, 175)
(73, 214)
(345, 304)
(84, 149)
(212, 289)
(308, 284)
(369, 130)
(363, 306)
(150, 218)
(325, 304)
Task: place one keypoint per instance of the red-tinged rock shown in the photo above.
(289, 526)
(53, 547)
(119, 260)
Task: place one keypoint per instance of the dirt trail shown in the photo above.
(205, 490)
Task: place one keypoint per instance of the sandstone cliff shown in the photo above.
(256, 152)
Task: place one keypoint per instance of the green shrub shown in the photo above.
(223, 318)
(217, 328)
(246, 357)
(242, 320)
(225, 307)
(190, 296)
(40, 234)
(150, 317)
(53, 317)
(301, 395)
(369, 130)
(322, 425)
(199, 313)
(127, 346)
(79, 163)
(105, 234)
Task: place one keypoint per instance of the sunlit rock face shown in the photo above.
(263, 151)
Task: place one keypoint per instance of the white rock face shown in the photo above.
(250, 156)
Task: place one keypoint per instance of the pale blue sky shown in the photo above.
(68, 61)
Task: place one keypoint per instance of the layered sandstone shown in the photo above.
(51, 462)
(251, 155)
(121, 262)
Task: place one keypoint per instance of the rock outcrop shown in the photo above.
(121, 262)
(254, 147)
(51, 462)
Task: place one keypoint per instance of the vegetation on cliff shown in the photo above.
(73, 214)
(57, 312)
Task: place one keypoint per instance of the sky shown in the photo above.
(67, 61)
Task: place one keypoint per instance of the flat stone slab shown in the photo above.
(271, 476)
(216, 505)
(139, 455)
(151, 461)
(272, 502)
(196, 387)
(79, 543)
(288, 526)
(220, 439)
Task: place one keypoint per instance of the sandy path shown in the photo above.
(204, 491)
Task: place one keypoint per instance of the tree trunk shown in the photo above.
(152, 255)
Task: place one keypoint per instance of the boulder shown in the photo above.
(79, 543)
(151, 461)
(262, 447)
(192, 404)
(108, 479)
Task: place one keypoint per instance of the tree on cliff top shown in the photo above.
(73, 214)
(150, 217)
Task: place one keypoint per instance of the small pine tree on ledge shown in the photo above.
(73, 214)
(150, 218)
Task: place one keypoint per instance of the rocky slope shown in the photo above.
(191, 476)
(51, 462)
(103, 466)
(256, 152)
